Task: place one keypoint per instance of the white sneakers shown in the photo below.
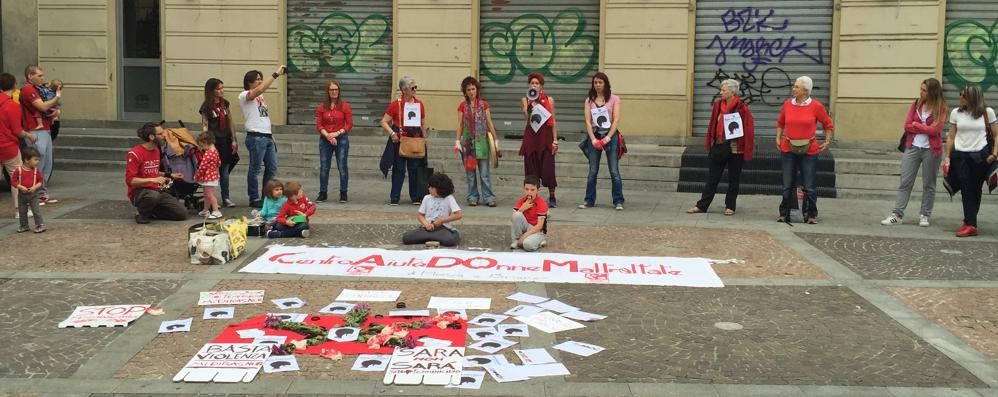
(894, 219)
(215, 215)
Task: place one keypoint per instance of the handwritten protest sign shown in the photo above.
(425, 365)
(104, 316)
(230, 297)
(225, 363)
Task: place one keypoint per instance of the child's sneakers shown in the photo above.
(23, 229)
(305, 233)
(432, 244)
(40, 228)
(273, 234)
(215, 215)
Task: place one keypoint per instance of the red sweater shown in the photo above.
(913, 126)
(333, 120)
(746, 144)
(290, 209)
(10, 128)
(801, 122)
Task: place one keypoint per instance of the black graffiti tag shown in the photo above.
(771, 88)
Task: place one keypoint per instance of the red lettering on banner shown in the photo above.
(436, 259)
(489, 262)
(279, 258)
(371, 259)
(573, 266)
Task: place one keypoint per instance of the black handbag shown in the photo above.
(901, 141)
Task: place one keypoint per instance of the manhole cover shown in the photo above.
(951, 252)
(728, 326)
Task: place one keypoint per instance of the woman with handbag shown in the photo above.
(970, 150)
(405, 122)
(333, 120)
(215, 117)
(923, 148)
(540, 136)
(474, 131)
(725, 149)
(602, 116)
(797, 141)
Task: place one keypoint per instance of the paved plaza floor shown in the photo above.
(843, 308)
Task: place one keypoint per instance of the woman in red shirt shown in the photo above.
(401, 120)
(333, 120)
(797, 140)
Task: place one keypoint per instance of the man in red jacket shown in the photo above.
(10, 130)
(145, 179)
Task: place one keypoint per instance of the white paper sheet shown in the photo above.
(492, 345)
(557, 306)
(409, 313)
(550, 369)
(470, 380)
(462, 312)
(507, 373)
(411, 115)
(733, 126)
(371, 362)
(538, 117)
(239, 297)
(488, 319)
(534, 356)
(549, 322)
(524, 310)
(483, 333)
(293, 317)
(513, 330)
(579, 348)
(343, 334)
(434, 342)
(270, 339)
(251, 333)
(583, 316)
(338, 308)
(480, 360)
(600, 117)
(182, 325)
(288, 303)
(437, 302)
(280, 364)
(354, 295)
(526, 298)
(219, 313)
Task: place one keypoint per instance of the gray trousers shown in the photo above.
(446, 237)
(518, 226)
(44, 146)
(24, 200)
(913, 159)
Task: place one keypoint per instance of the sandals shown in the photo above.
(694, 210)
(729, 212)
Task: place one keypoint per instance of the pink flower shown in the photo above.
(443, 324)
(374, 346)
(331, 354)
(400, 333)
(299, 344)
(387, 331)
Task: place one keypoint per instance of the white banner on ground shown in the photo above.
(225, 363)
(104, 316)
(487, 266)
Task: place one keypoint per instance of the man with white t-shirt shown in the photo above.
(259, 134)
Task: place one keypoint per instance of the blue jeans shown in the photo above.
(44, 146)
(326, 151)
(486, 174)
(808, 167)
(283, 231)
(399, 169)
(262, 152)
(616, 184)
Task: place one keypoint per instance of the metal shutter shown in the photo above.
(765, 45)
(559, 38)
(346, 40)
(970, 56)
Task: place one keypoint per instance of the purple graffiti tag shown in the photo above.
(750, 19)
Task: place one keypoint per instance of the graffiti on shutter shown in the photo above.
(337, 42)
(559, 48)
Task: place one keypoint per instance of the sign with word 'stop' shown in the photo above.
(104, 316)
(487, 266)
(225, 363)
(425, 365)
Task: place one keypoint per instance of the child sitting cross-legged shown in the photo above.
(292, 220)
(436, 212)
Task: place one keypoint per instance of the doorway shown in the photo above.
(140, 87)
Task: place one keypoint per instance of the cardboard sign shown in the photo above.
(230, 297)
(224, 363)
(538, 117)
(412, 115)
(733, 126)
(425, 365)
(104, 316)
(451, 264)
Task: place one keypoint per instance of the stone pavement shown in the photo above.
(846, 307)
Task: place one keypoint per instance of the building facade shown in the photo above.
(149, 59)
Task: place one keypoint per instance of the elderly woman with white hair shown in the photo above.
(797, 141)
(727, 147)
(405, 123)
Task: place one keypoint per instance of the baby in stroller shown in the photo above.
(180, 155)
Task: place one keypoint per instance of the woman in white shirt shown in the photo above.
(969, 152)
(923, 145)
(436, 212)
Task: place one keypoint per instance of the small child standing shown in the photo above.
(207, 174)
(292, 221)
(28, 180)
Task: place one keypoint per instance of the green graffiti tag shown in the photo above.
(560, 48)
(971, 55)
(336, 42)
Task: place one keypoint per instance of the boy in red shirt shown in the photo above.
(292, 221)
(529, 222)
(28, 181)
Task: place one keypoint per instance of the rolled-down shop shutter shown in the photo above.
(765, 45)
(971, 55)
(346, 40)
(559, 38)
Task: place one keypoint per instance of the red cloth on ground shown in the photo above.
(458, 337)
